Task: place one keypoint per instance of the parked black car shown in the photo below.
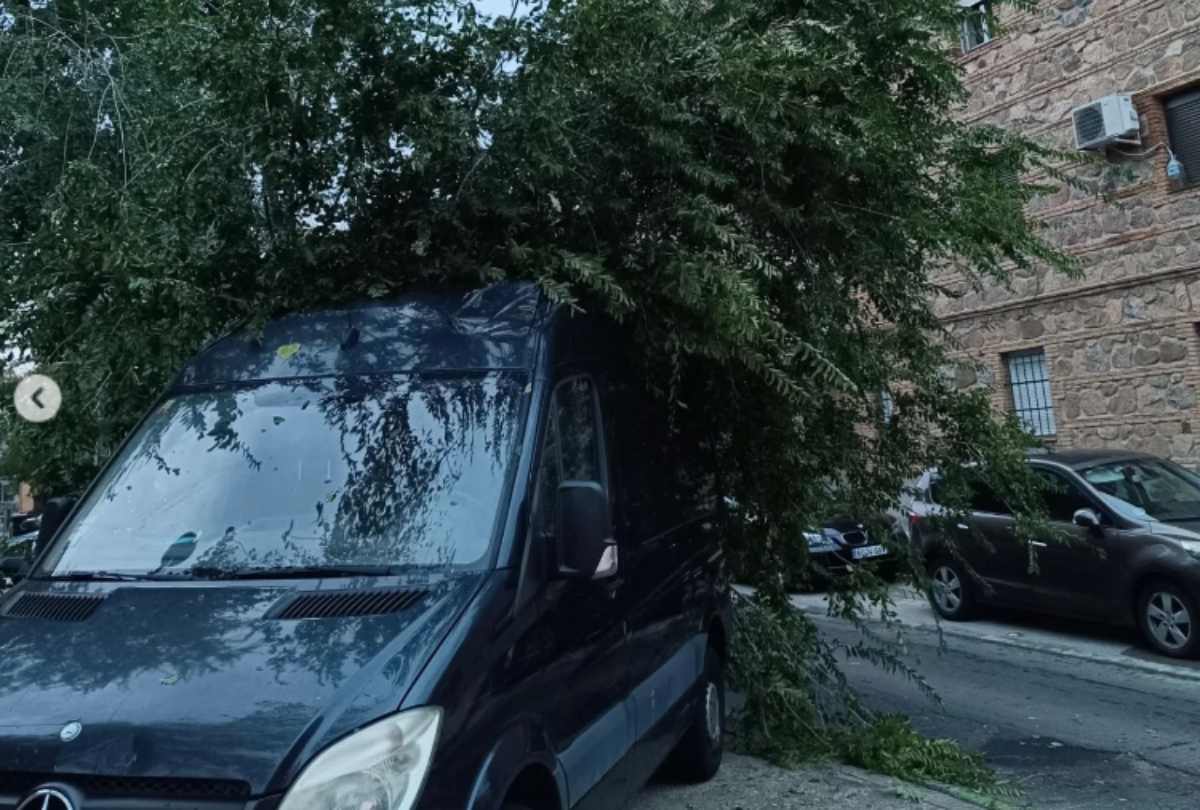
(432, 553)
(844, 543)
(1123, 546)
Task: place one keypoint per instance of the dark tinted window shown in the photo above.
(983, 499)
(1062, 497)
(571, 449)
(659, 459)
(578, 431)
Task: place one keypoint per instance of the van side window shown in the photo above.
(578, 430)
(571, 449)
(549, 476)
(658, 458)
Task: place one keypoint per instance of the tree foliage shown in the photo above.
(760, 191)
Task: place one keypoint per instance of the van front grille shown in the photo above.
(56, 607)
(129, 787)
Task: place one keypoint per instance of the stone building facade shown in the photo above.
(1119, 344)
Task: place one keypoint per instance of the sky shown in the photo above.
(494, 6)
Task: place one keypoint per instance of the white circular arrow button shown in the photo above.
(37, 398)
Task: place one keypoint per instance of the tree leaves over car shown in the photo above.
(765, 195)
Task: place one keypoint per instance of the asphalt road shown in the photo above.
(1077, 716)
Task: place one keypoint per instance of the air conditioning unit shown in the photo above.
(1112, 119)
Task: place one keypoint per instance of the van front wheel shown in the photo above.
(697, 758)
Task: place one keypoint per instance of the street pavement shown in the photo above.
(1075, 715)
(746, 783)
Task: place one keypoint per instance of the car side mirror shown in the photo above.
(53, 514)
(1087, 519)
(586, 549)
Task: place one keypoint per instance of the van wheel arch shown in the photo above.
(533, 789)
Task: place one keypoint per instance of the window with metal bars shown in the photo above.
(1183, 131)
(1029, 380)
(977, 27)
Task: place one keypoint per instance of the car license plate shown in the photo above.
(866, 552)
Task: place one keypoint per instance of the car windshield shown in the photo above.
(1155, 488)
(340, 473)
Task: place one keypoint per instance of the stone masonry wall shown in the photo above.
(1121, 340)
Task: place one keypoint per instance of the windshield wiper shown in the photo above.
(294, 572)
(92, 576)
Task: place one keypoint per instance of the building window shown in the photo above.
(1029, 379)
(887, 406)
(977, 27)
(1183, 132)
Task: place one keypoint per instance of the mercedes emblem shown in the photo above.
(70, 732)
(46, 799)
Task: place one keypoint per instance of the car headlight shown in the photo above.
(382, 767)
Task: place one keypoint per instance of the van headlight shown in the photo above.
(382, 767)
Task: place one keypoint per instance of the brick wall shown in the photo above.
(1120, 339)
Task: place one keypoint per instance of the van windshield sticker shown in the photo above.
(287, 351)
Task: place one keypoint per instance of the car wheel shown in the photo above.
(1167, 617)
(950, 590)
(697, 758)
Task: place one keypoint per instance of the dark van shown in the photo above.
(430, 553)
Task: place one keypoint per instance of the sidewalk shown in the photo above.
(1083, 641)
(746, 783)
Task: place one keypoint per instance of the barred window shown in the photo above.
(1029, 379)
(977, 27)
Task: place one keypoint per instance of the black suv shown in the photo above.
(430, 553)
(1123, 546)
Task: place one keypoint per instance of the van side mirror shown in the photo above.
(53, 514)
(586, 549)
(1087, 519)
(14, 568)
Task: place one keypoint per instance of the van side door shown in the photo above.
(586, 713)
(670, 543)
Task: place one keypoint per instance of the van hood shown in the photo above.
(199, 680)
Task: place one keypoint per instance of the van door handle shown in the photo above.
(1037, 543)
(964, 527)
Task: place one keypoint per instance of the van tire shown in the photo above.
(951, 591)
(697, 757)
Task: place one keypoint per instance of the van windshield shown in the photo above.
(349, 473)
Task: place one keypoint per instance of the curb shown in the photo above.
(927, 794)
(949, 630)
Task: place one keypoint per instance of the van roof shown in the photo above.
(495, 327)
